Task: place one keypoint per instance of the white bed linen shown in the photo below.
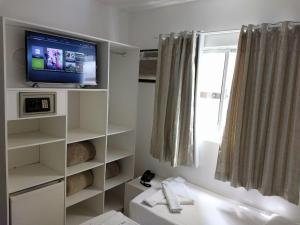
(209, 209)
(110, 218)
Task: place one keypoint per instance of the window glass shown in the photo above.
(214, 84)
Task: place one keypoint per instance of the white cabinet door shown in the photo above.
(44, 206)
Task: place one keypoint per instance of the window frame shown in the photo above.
(226, 50)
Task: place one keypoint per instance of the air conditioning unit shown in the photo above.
(148, 64)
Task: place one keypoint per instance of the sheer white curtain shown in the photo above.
(174, 113)
(261, 142)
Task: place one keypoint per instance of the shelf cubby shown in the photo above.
(13, 97)
(87, 193)
(114, 199)
(15, 51)
(91, 191)
(87, 113)
(36, 165)
(122, 89)
(120, 146)
(99, 160)
(126, 173)
(33, 132)
(85, 210)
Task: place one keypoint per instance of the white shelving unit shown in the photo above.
(35, 148)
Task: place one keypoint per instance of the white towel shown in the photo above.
(173, 203)
(158, 198)
(176, 186)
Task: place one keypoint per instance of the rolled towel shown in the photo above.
(80, 152)
(172, 200)
(79, 182)
(112, 170)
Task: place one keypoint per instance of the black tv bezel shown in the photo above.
(66, 37)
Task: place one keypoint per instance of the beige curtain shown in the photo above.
(261, 143)
(174, 113)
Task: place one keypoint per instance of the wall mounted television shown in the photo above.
(56, 59)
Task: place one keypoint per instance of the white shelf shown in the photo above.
(33, 117)
(113, 203)
(88, 89)
(28, 139)
(71, 170)
(78, 134)
(78, 214)
(114, 154)
(46, 89)
(115, 129)
(115, 181)
(29, 176)
(82, 195)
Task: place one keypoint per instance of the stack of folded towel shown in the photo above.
(173, 193)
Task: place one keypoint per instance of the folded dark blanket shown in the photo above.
(112, 170)
(79, 182)
(80, 152)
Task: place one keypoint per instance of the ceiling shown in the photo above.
(137, 5)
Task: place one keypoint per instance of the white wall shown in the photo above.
(83, 16)
(208, 15)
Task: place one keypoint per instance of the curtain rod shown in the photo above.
(189, 32)
(273, 24)
(238, 30)
(206, 33)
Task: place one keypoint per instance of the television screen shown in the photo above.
(55, 59)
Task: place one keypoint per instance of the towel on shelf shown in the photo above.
(78, 182)
(112, 170)
(80, 152)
